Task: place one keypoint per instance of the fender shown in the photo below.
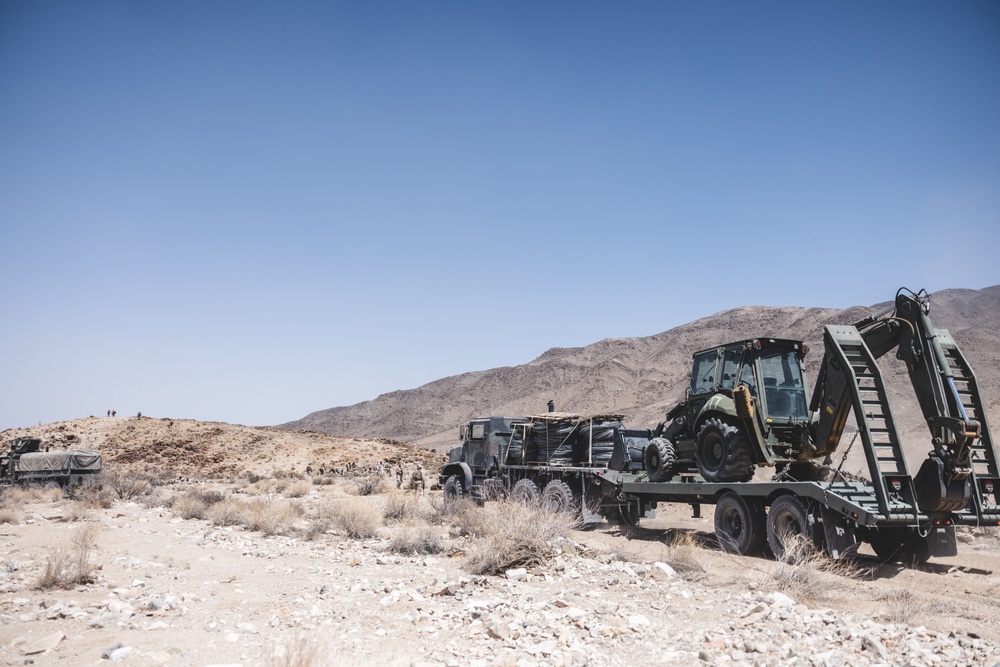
(461, 470)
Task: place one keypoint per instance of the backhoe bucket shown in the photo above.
(935, 493)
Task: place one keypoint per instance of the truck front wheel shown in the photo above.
(452, 489)
(724, 453)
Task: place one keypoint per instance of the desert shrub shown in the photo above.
(322, 481)
(95, 496)
(417, 540)
(11, 514)
(189, 506)
(298, 489)
(68, 566)
(354, 517)
(514, 535)
(288, 474)
(804, 572)
(368, 486)
(269, 516)
(398, 508)
(127, 483)
(253, 477)
(225, 512)
(158, 497)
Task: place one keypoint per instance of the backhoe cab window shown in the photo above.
(703, 373)
(730, 363)
(784, 390)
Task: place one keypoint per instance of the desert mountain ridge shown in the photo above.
(643, 377)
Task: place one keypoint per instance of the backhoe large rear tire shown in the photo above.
(724, 453)
(659, 460)
(740, 524)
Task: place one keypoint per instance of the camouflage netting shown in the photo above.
(598, 439)
(548, 442)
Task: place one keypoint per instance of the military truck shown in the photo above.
(746, 407)
(556, 458)
(25, 463)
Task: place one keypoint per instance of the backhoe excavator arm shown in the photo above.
(931, 359)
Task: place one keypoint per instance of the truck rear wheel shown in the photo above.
(525, 491)
(740, 524)
(557, 496)
(788, 522)
(659, 459)
(724, 453)
(902, 545)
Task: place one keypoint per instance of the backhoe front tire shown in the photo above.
(659, 460)
(724, 453)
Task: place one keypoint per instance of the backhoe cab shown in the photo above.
(746, 406)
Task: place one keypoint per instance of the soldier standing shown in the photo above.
(417, 480)
(399, 475)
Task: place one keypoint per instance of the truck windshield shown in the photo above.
(784, 389)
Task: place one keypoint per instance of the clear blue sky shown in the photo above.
(247, 211)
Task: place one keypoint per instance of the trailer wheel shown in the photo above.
(903, 545)
(788, 520)
(659, 459)
(724, 453)
(740, 524)
(525, 491)
(557, 496)
(452, 489)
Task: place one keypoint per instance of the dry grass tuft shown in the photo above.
(512, 535)
(399, 508)
(270, 516)
(225, 512)
(683, 552)
(354, 517)
(298, 489)
(189, 506)
(11, 514)
(95, 496)
(66, 567)
(417, 540)
(368, 486)
(303, 652)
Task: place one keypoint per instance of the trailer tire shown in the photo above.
(724, 453)
(740, 524)
(453, 489)
(659, 459)
(558, 497)
(525, 491)
(788, 519)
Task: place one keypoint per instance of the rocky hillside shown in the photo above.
(188, 448)
(642, 377)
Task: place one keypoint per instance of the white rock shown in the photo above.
(517, 574)
(663, 571)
